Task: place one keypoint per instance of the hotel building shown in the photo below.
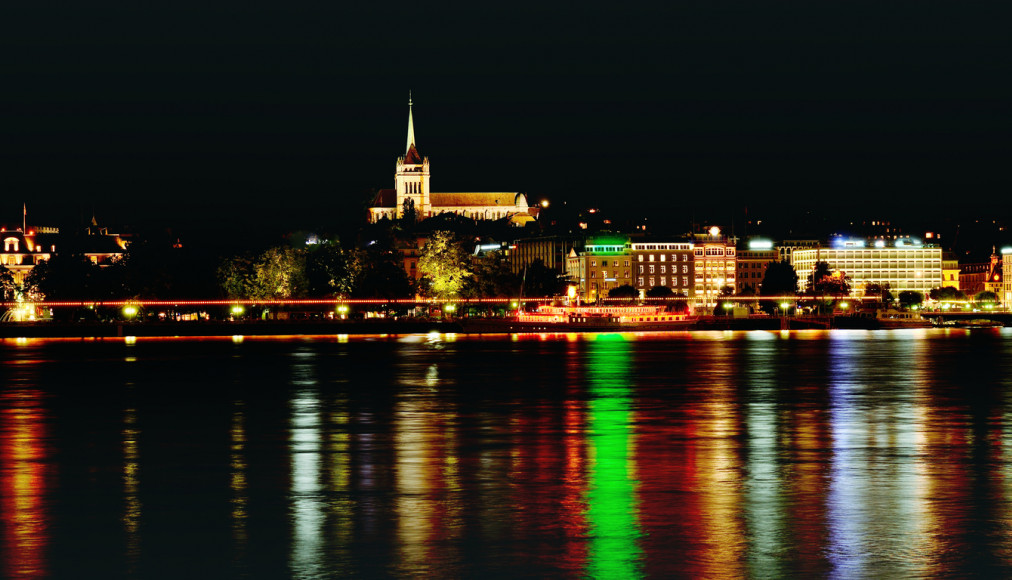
(668, 264)
(903, 264)
(605, 264)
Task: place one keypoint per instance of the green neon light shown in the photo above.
(614, 550)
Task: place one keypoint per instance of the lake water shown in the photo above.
(852, 454)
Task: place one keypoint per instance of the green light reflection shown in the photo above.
(614, 551)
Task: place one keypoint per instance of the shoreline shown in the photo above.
(50, 329)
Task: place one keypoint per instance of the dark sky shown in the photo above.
(262, 112)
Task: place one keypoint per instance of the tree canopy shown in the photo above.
(779, 279)
(444, 265)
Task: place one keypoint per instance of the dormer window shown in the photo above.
(10, 244)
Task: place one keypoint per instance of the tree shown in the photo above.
(824, 281)
(7, 285)
(910, 298)
(946, 293)
(443, 264)
(541, 281)
(408, 213)
(330, 271)
(879, 291)
(236, 277)
(623, 291)
(280, 273)
(780, 279)
(64, 277)
(659, 292)
(377, 274)
(986, 297)
(491, 278)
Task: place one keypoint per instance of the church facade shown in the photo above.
(411, 191)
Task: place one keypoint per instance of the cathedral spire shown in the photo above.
(411, 126)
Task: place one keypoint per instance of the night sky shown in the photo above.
(289, 112)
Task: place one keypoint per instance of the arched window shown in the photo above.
(9, 243)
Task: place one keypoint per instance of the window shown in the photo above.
(663, 257)
(663, 271)
(652, 281)
(641, 267)
(640, 280)
(593, 274)
(625, 274)
(651, 257)
(639, 258)
(593, 263)
(685, 268)
(664, 280)
(604, 263)
(685, 280)
(627, 263)
(651, 268)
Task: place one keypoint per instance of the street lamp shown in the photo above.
(342, 311)
(129, 311)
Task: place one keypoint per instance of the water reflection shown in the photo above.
(306, 488)
(815, 454)
(24, 483)
(612, 506)
(131, 487)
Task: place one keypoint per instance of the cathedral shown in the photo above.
(411, 191)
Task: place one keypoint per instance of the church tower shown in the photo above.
(412, 177)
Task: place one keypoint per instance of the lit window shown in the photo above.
(664, 257)
(651, 268)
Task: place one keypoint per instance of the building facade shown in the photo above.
(900, 266)
(553, 251)
(669, 264)
(603, 265)
(411, 192)
(714, 257)
(751, 264)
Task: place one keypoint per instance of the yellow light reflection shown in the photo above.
(237, 480)
(24, 485)
(131, 484)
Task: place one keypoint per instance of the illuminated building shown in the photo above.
(903, 264)
(786, 247)
(412, 189)
(950, 271)
(1006, 277)
(553, 252)
(604, 264)
(26, 246)
(667, 264)
(714, 257)
(751, 264)
(980, 277)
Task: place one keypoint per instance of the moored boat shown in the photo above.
(584, 319)
(891, 318)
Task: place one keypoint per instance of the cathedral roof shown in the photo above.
(385, 198)
(412, 157)
(505, 199)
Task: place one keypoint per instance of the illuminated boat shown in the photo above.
(584, 319)
(891, 318)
